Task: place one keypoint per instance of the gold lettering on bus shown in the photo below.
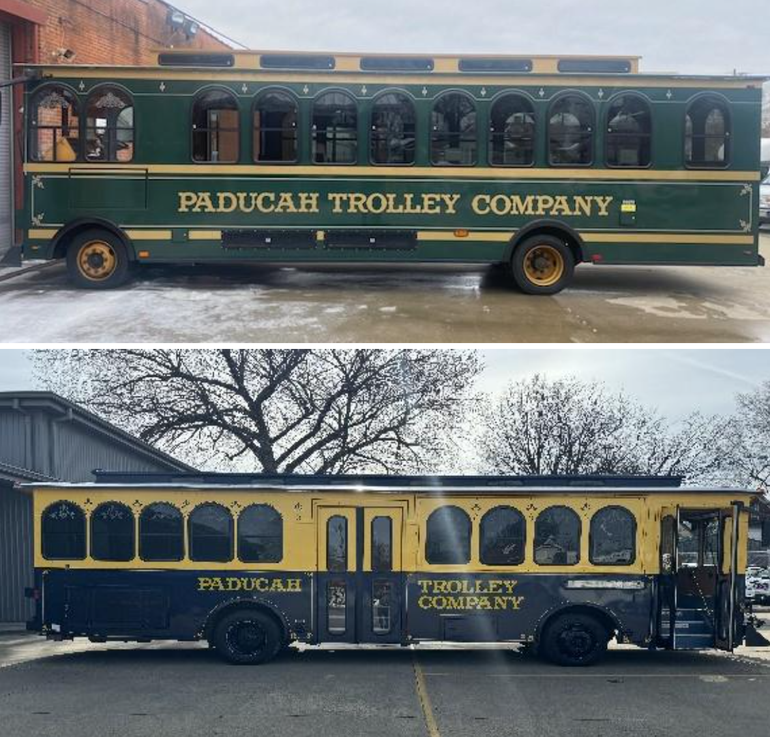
(247, 583)
(468, 594)
(504, 205)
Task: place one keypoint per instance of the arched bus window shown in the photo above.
(502, 537)
(161, 533)
(63, 528)
(557, 537)
(335, 129)
(571, 131)
(448, 538)
(629, 132)
(211, 534)
(512, 132)
(215, 130)
(394, 123)
(112, 532)
(707, 134)
(54, 125)
(109, 125)
(275, 128)
(612, 537)
(453, 140)
(260, 535)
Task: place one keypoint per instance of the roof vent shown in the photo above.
(496, 65)
(396, 64)
(297, 61)
(196, 60)
(595, 66)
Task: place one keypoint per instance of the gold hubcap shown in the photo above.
(543, 265)
(97, 260)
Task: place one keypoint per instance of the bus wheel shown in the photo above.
(574, 640)
(542, 264)
(248, 638)
(97, 259)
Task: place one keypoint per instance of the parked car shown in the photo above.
(764, 201)
(757, 585)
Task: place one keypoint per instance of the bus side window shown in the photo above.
(260, 534)
(109, 125)
(667, 544)
(629, 132)
(215, 127)
(335, 129)
(382, 544)
(557, 537)
(612, 537)
(275, 128)
(211, 534)
(337, 544)
(54, 133)
(453, 140)
(161, 533)
(393, 126)
(512, 132)
(64, 532)
(502, 537)
(707, 134)
(112, 532)
(448, 538)
(571, 131)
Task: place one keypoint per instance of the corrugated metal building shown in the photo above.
(45, 437)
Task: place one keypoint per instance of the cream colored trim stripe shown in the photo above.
(149, 235)
(205, 235)
(735, 240)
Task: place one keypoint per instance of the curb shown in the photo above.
(27, 270)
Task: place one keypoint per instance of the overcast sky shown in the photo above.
(677, 382)
(693, 36)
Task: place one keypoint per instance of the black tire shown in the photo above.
(574, 640)
(248, 637)
(542, 264)
(97, 259)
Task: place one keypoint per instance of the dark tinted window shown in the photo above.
(448, 536)
(196, 60)
(260, 535)
(707, 133)
(335, 129)
(667, 544)
(571, 132)
(296, 61)
(495, 65)
(613, 537)
(337, 544)
(503, 536)
(109, 125)
(64, 532)
(211, 534)
(557, 537)
(54, 125)
(595, 66)
(382, 544)
(396, 64)
(512, 132)
(275, 127)
(112, 532)
(629, 132)
(453, 131)
(393, 130)
(161, 533)
(215, 127)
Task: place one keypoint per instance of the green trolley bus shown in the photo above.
(252, 563)
(537, 163)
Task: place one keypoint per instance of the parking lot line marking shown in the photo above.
(430, 674)
(425, 702)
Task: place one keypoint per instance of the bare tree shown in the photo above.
(320, 411)
(568, 426)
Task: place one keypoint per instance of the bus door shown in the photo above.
(729, 616)
(360, 586)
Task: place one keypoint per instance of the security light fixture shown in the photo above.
(192, 28)
(175, 19)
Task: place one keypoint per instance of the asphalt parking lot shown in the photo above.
(73, 690)
(263, 304)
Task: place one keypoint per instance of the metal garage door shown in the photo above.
(6, 152)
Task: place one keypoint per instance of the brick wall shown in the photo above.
(111, 31)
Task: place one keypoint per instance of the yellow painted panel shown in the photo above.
(449, 235)
(691, 238)
(149, 235)
(205, 235)
(41, 233)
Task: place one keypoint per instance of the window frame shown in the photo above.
(728, 138)
(490, 141)
(579, 537)
(278, 515)
(608, 135)
(85, 127)
(190, 538)
(298, 129)
(561, 96)
(140, 552)
(467, 520)
(635, 528)
(373, 104)
(201, 93)
(84, 519)
(523, 520)
(314, 131)
(32, 128)
(346, 569)
(432, 134)
(91, 535)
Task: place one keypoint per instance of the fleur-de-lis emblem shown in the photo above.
(87, 502)
(38, 219)
(364, 90)
(476, 508)
(82, 85)
(586, 507)
(424, 91)
(185, 504)
(541, 92)
(235, 505)
(244, 88)
(746, 190)
(600, 94)
(37, 181)
(483, 91)
(745, 227)
(162, 86)
(306, 89)
(137, 504)
(669, 94)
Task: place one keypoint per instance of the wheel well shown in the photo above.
(216, 616)
(598, 614)
(568, 236)
(66, 236)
